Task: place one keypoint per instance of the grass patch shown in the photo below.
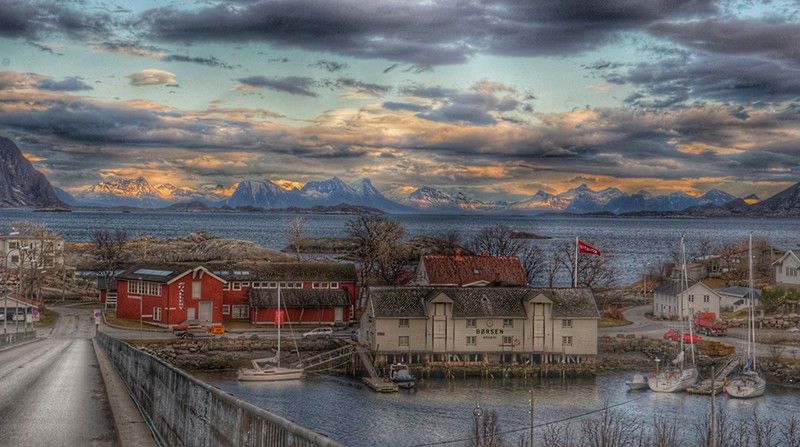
(242, 325)
(126, 323)
(46, 317)
(612, 322)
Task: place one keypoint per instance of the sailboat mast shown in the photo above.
(683, 290)
(751, 330)
(278, 318)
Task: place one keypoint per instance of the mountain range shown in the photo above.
(23, 186)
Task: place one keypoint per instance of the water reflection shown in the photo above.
(442, 410)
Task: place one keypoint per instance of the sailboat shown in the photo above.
(264, 372)
(677, 378)
(748, 383)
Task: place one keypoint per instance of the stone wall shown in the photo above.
(787, 321)
(186, 412)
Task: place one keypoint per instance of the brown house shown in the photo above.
(460, 270)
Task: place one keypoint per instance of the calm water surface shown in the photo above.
(634, 243)
(441, 411)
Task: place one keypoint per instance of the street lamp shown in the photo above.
(141, 300)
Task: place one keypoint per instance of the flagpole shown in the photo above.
(575, 274)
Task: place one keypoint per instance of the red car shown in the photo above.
(674, 335)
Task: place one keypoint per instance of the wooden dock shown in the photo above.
(381, 385)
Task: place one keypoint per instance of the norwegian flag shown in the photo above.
(583, 247)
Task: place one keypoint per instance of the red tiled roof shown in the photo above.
(463, 270)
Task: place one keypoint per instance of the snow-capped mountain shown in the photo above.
(586, 200)
(541, 202)
(260, 193)
(715, 197)
(432, 199)
(136, 192)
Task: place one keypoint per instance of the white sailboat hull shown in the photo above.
(269, 374)
(746, 386)
(673, 381)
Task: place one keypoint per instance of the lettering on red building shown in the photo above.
(181, 290)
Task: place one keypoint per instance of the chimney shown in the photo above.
(457, 256)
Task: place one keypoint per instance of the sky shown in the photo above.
(498, 98)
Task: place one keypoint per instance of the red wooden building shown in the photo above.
(170, 294)
(311, 293)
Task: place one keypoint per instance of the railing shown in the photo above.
(183, 411)
(16, 337)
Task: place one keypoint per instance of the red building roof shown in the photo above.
(462, 270)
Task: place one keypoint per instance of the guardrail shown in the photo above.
(16, 337)
(184, 411)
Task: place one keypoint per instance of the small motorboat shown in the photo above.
(639, 382)
(268, 373)
(400, 375)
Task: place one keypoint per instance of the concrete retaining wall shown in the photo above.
(186, 412)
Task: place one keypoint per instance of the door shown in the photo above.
(190, 313)
(206, 311)
(338, 314)
(439, 327)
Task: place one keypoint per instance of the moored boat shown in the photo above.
(399, 374)
(639, 382)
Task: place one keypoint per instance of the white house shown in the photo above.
(787, 270)
(699, 297)
(737, 298)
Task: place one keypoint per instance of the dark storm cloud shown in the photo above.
(476, 106)
(427, 34)
(295, 85)
(210, 61)
(70, 84)
(331, 66)
(741, 79)
(356, 86)
(35, 19)
(775, 40)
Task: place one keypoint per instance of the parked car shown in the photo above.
(320, 332)
(707, 323)
(674, 335)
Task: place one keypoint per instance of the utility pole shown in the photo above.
(531, 404)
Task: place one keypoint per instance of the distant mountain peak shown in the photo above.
(21, 185)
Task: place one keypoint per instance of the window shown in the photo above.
(240, 311)
(226, 309)
(256, 285)
(237, 286)
(507, 340)
(197, 289)
(472, 340)
(691, 298)
(226, 286)
(334, 285)
(246, 284)
(319, 285)
(403, 322)
(471, 322)
(14, 259)
(402, 340)
(566, 340)
(566, 323)
(14, 245)
(273, 285)
(706, 298)
(156, 314)
(508, 322)
(283, 285)
(144, 288)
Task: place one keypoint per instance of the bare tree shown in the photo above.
(377, 248)
(553, 266)
(533, 262)
(296, 233)
(593, 271)
(109, 248)
(486, 431)
(36, 253)
(496, 240)
(451, 237)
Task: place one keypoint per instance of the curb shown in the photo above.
(144, 328)
(17, 345)
(132, 430)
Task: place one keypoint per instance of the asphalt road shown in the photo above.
(641, 325)
(51, 391)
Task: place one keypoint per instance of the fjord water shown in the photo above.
(633, 243)
(442, 410)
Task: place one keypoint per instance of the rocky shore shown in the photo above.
(230, 353)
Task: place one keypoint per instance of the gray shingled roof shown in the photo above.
(290, 271)
(299, 298)
(570, 303)
(738, 291)
(171, 271)
(470, 302)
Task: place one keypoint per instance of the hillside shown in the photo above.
(20, 184)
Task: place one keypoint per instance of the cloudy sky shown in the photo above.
(497, 98)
